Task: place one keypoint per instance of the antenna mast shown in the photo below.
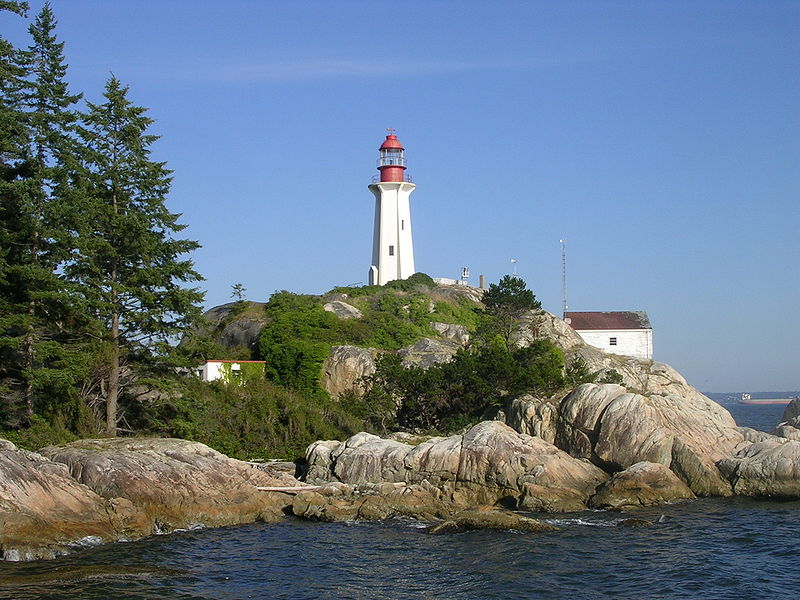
(563, 279)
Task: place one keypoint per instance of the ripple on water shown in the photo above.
(721, 548)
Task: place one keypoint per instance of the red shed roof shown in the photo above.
(582, 321)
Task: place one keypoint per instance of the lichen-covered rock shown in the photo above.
(490, 519)
(343, 310)
(44, 511)
(641, 484)
(770, 468)
(344, 369)
(488, 463)
(428, 352)
(177, 483)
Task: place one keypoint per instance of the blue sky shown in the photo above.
(660, 139)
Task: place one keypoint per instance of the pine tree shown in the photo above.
(129, 263)
(16, 191)
(39, 317)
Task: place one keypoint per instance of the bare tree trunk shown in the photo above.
(113, 379)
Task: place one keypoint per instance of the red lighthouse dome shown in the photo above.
(391, 161)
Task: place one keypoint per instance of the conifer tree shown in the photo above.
(38, 321)
(129, 262)
(15, 192)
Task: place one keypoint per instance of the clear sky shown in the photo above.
(661, 139)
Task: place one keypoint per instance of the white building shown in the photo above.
(625, 333)
(392, 245)
(229, 370)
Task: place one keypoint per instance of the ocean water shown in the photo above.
(736, 548)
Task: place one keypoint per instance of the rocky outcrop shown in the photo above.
(344, 369)
(44, 511)
(490, 518)
(343, 310)
(533, 416)
(616, 428)
(538, 324)
(770, 468)
(175, 483)
(428, 352)
(452, 332)
(489, 463)
(641, 484)
(234, 325)
(454, 294)
(789, 427)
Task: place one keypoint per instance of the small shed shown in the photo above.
(628, 333)
(230, 370)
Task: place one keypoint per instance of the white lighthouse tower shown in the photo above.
(392, 247)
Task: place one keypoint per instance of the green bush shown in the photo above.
(41, 433)
(254, 420)
(448, 396)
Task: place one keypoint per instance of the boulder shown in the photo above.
(340, 502)
(616, 428)
(792, 410)
(641, 484)
(176, 483)
(532, 416)
(232, 327)
(44, 512)
(769, 468)
(344, 369)
(455, 333)
(343, 310)
(789, 427)
(489, 463)
(538, 324)
(789, 432)
(428, 352)
(492, 518)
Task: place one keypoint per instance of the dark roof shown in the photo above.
(608, 320)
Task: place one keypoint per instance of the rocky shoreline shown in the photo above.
(599, 447)
(652, 440)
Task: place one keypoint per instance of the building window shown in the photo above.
(612, 341)
(391, 250)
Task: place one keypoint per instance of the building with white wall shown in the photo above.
(230, 370)
(392, 244)
(626, 333)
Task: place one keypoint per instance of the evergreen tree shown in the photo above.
(128, 261)
(15, 193)
(505, 302)
(39, 314)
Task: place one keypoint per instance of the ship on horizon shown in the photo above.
(748, 399)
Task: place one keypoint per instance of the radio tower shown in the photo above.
(563, 279)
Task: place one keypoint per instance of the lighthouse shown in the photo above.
(392, 246)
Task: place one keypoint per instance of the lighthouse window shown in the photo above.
(402, 225)
(612, 341)
(391, 250)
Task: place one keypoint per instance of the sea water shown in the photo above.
(718, 548)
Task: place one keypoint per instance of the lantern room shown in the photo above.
(391, 160)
